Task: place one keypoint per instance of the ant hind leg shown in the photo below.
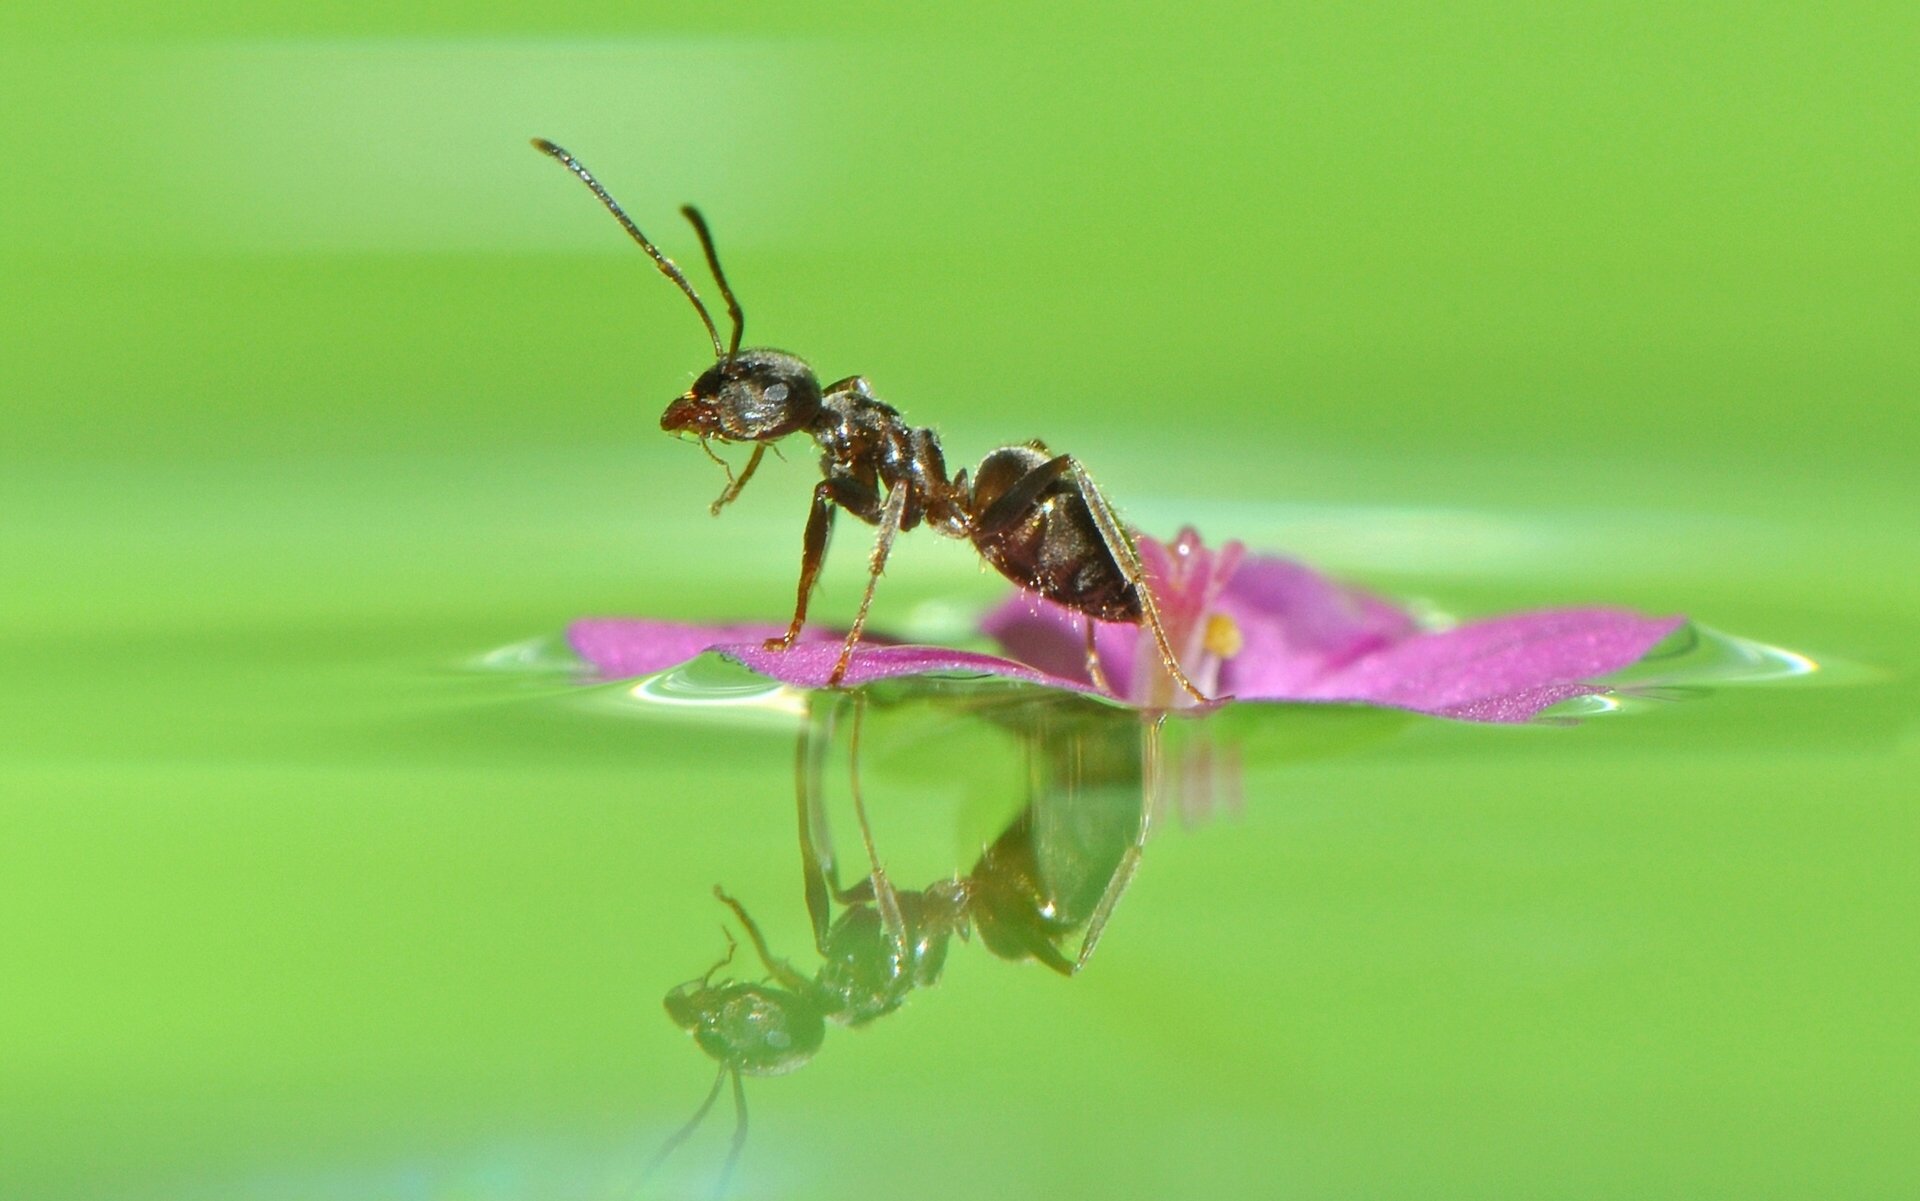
(1120, 545)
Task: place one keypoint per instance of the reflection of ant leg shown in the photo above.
(819, 877)
(819, 866)
(884, 897)
(1094, 672)
(1130, 861)
(706, 978)
(778, 968)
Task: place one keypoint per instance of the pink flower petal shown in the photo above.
(618, 648)
(1303, 638)
(1052, 638)
(621, 647)
(1503, 669)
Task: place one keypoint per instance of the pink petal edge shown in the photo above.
(1306, 638)
(623, 647)
(1502, 669)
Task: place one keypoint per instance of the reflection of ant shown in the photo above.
(1062, 864)
(1036, 516)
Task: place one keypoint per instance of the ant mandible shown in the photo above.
(1036, 516)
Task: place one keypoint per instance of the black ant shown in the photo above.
(1036, 516)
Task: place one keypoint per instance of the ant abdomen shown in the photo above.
(1034, 525)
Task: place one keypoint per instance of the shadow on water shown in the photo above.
(1052, 869)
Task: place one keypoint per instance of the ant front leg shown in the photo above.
(834, 492)
(813, 552)
(736, 483)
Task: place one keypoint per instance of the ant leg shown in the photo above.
(1016, 502)
(890, 519)
(885, 898)
(1094, 671)
(818, 866)
(813, 553)
(1123, 873)
(732, 946)
(778, 968)
(735, 485)
(1116, 888)
(1121, 546)
(816, 839)
(816, 869)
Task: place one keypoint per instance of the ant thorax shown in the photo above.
(856, 429)
(868, 451)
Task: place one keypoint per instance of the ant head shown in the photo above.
(755, 1029)
(752, 396)
(746, 396)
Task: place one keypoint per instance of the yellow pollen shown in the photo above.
(1222, 638)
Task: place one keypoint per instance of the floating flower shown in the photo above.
(1249, 627)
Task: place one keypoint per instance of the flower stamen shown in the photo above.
(1223, 639)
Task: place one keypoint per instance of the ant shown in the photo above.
(1059, 867)
(1037, 517)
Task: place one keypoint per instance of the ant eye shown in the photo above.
(777, 393)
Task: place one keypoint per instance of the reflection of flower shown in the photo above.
(1252, 627)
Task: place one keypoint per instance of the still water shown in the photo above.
(319, 388)
(405, 906)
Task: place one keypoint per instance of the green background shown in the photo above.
(319, 383)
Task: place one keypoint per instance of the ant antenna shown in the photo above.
(739, 1143)
(680, 1136)
(720, 277)
(734, 1148)
(666, 265)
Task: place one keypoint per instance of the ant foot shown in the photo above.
(838, 678)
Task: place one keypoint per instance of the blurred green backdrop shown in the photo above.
(318, 381)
